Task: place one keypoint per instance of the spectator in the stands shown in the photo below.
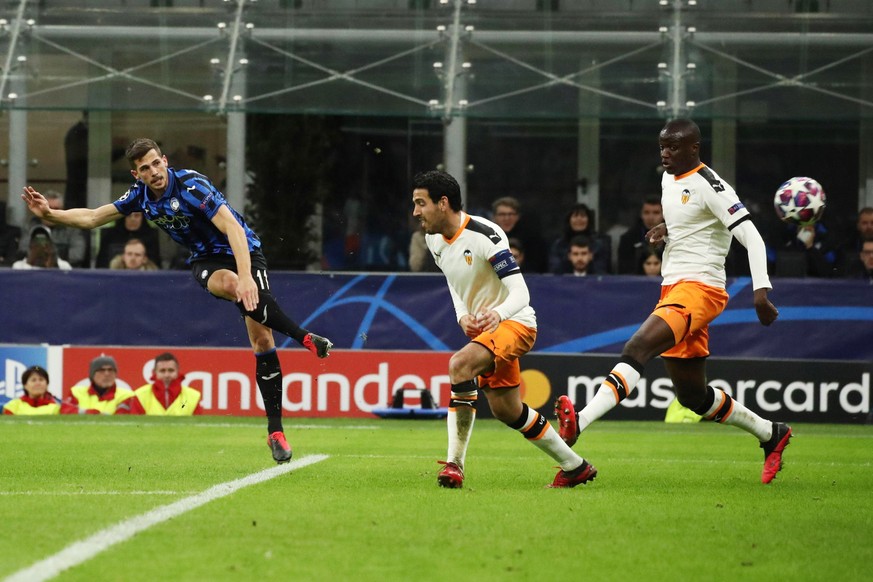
(632, 245)
(517, 249)
(508, 216)
(134, 258)
(41, 252)
(113, 238)
(71, 243)
(650, 262)
(579, 220)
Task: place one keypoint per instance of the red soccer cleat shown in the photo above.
(578, 476)
(320, 346)
(452, 476)
(773, 451)
(568, 423)
(279, 446)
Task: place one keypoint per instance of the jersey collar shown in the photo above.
(465, 218)
(689, 172)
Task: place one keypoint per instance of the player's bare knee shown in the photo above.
(262, 341)
(460, 368)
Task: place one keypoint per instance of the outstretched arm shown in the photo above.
(750, 238)
(86, 218)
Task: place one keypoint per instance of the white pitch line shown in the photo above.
(161, 425)
(62, 493)
(84, 550)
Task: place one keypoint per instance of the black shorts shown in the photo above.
(202, 269)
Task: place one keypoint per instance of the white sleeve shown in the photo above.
(460, 308)
(750, 238)
(518, 299)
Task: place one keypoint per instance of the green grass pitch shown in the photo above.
(671, 502)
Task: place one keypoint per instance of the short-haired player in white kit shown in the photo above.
(701, 214)
(492, 306)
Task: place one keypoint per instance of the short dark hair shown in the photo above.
(439, 184)
(138, 148)
(685, 129)
(166, 357)
(38, 370)
(580, 240)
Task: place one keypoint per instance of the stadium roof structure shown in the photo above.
(547, 59)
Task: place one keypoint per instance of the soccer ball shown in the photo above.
(800, 200)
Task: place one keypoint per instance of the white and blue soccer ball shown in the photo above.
(800, 200)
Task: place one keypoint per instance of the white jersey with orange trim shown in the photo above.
(475, 262)
(700, 209)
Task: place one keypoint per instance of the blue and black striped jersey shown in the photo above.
(185, 213)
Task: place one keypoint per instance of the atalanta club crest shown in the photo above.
(174, 204)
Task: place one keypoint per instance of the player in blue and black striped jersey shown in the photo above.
(226, 258)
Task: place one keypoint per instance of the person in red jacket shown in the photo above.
(166, 396)
(36, 399)
(101, 395)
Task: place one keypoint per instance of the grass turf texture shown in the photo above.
(670, 502)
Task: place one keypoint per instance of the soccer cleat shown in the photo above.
(581, 474)
(320, 346)
(773, 451)
(280, 447)
(568, 423)
(452, 476)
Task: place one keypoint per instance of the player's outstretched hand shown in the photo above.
(35, 201)
(767, 312)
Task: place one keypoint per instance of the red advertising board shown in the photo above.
(347, 384)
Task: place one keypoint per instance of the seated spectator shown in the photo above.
(134, 258)
(71, 243)
(580, 221)
(508, 216)
(633, 244)
(36, 399)
(863, 228)
(113, 238)
(806, 251)
(517, 250)
(650, 262)
(102, 395)
(41, 252)
(581, 258)
(10, 237)
(420, 259)
(862, 267)
(166, 396)
(855, 239)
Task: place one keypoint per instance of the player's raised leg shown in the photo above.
(223, 283)
(661, 331)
